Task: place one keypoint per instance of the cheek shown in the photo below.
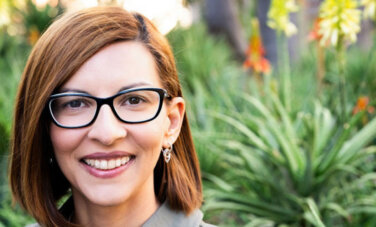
(151, 135)
(65, 140)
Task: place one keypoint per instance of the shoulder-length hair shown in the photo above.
(37, 185)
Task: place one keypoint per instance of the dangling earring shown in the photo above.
(167, 153)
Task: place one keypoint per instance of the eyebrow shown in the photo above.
(134, 85)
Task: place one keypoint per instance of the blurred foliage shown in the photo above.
(303, 164)
(13, 54)
(36, 20)
(10, 215)
(203, 85)
(14, 50)
(265, 166)
(360, 73)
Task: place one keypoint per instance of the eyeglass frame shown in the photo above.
(110, 102)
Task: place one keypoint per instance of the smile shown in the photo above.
(103, 164)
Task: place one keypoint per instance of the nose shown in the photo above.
(107, 128)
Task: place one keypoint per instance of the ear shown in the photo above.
(175, 114)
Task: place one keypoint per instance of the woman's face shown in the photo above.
(108, 141)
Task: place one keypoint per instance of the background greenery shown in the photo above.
(263, 164)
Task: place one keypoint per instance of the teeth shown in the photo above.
(124, 160)
(97, 164)
(118, 162)
(111, 164)
(107, 164)
(103, 164)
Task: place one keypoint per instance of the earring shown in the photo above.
(167, 153)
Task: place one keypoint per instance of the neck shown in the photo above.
(132, 213)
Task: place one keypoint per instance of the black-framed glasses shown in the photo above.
(78, 110)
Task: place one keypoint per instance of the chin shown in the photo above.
(107, 202)
(104, 195)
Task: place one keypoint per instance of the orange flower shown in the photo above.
(261, 65)
(34, 35)
(255, 55)
(363, 104)
(314, 35)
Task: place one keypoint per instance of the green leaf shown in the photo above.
(312, 214)
(358, 141)
(323, 129)
(338, 209)
(329, 159)
(253, 138)
(291, 136)
(219, 182)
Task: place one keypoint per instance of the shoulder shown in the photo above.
(167, 217)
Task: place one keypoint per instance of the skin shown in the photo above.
(127, 199)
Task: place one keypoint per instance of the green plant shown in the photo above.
(361, 71)
(205, 67)
(10, 215)
(300, 171)
(240, 167)
(12, 52)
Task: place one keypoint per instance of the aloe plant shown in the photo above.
(301, 171)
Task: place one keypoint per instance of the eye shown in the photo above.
(134, 100)
(76, 104)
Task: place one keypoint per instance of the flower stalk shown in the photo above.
(341, 64)
(339, 25)
(284, 69)
(278, 19)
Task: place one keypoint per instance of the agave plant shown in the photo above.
(301, 171)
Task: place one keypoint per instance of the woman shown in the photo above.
(100, 118)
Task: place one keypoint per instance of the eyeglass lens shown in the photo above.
(134, 106)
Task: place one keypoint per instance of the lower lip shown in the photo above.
(108, 173)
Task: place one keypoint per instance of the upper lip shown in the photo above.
(107, 155)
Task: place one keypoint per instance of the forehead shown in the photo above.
(119, 65)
